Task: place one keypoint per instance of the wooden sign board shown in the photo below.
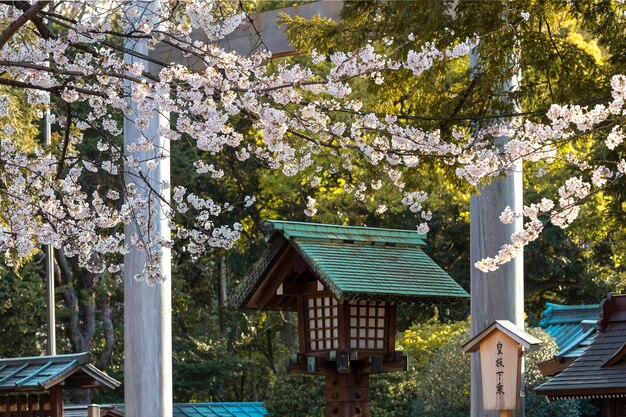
(501, 359)
(501, 346)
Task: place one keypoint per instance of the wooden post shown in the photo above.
(56, 401)
(495, 295)
(147, 308)
(347, 395)
(44, 399)
(93, 410)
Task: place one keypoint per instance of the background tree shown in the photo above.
(568, 53)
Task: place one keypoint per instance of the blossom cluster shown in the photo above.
(298, 111)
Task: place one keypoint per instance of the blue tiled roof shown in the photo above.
(43, 372)
(219, 410)
(572, 327)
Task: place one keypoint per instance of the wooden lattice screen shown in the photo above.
(322, 327)
(32, 405)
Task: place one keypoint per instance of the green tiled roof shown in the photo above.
(43, 372)
(369, 271)
(219, 410)
(356, 263)
(341, 233)
(572, 327)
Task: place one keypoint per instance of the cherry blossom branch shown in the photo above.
(15, 25)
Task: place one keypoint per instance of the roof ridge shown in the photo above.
(37, 359)
(368, 228)
(332, 232)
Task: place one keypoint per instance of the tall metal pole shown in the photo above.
(147, 308)
(49, 251)
(495, 295)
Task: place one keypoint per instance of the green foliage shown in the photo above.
(567, 53)
(422, 340)
(444, 387)
(22, 308)
(296, 396)
(258, 6)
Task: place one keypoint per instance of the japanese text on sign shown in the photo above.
(499, 371)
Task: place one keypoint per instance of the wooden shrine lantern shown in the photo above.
(501, 346)
(345, 284)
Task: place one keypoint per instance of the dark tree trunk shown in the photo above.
(80, 297)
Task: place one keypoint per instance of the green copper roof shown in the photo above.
(43, 372)
(572, 327)
(355, 263)
(219, 410)
(369, 271)
(332, 232)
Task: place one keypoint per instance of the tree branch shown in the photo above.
(54, 90)
(66, 139)
(37, 21)
(15, 25)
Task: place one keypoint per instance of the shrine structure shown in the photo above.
(345, 283)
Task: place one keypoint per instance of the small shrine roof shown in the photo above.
(572, 327)
(43, 372)
(600, 371)
(106, 410)
(353, 263)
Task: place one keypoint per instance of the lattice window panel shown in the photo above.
(322, 323)
(367, 325)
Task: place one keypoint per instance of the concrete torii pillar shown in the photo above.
(147, 308)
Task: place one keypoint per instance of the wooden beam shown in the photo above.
(300, 288)
(497, 295)
(259, 32)
(342, 364)
(283, 267)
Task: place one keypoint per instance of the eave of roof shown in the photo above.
(221, 409)
(43, 372)
(216, 409)
(354, 271)
(564, 314)
(572, 327)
